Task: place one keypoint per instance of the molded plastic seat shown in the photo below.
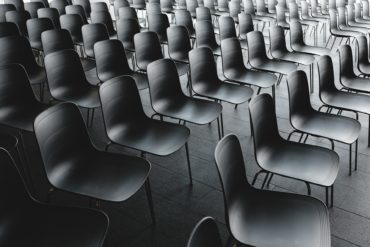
(50, 13)
(205, 234)
(5, 8)
(126, 30)
(92, 33)
(138, 4)
(205, 82)
(99, 6)
(73, 23)
(205, 37)
(74, 165)
(343, 23)
(111, 62)
(183, 18)
(179, 47)
(56, 40)
(18, 4)
(340, 31)
(127, 13)
(60, 5)
(259, 60)
(85, 4)
(29, 221)
(267, 218)
(104, 18)
(19, 18)
(44, 2)
(32, 7)
(35, 28)
(227, 27)
(159, 23)
(8, 29)
(245, 25)
(203, 14)
(168, 99)
(191, 6)
(119, 4)
(18, 105)
(67, 80)
(235, 70)
(77, 9)
(351, 19)
(363, 63)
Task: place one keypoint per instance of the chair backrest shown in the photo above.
(183, 18)
(293, 11)
(326, 75)
(249, 7)
(5, 8)
(178, 43)
(153, 8)
(332, 4)
(104, 18)
(60, 5)
(346, 61)
(147, 49)
(18, 4)
(191, 6)
(263, 122)
(296, 33)
(126, 108)
(203, 68)
(342, 16)
(119, 4)
(159, 23)
(362, 50)
(271, 6)
(299, 95)
(203, 14)
(8, 29)
(166, 5)
(365, 8)
(358, 11)
(126, 30)
(32, 7)
(19, 17)
(234, 9)
(99, 6)
(277, 40)
(92, 33)
(260, 7)
(227, 27)
(333, 19)
(127, 13)
(205, 35)
(232, 57)
(85, 4)
(35, 28)
(304, 10)
(45, 2)
(62, 139)
(256, 47)
(73, 23)
(245, 24)
(77, 9)
(223, 5)
(50, 13)
(164, 82)
(205, 234)
(210, 5)
(351, 12)
(56, 40)
(111, 60)
(280, 16)
(17, 49)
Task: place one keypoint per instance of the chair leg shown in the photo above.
(356, 154)
(311, 77)
(368, 138)
(188, 161)
(350, 159)
(222, 125)
(269, 181)
(327, 42)
(265, 180)
(256, 176)
(150, 200)
(332, 196)
(92, 117)
(327, 196)
(218, 128)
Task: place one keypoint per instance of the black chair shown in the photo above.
(306, 120)
(50, 13)
(223, 6)
(159, 23)
(65, 145)
(92, 33)
(126, 30)
(42, 224)
(167, 98)
(277, 156)
(363, 64)
(99, 6)
(227, 27)
(167, 6)
(127, 13)
(67, 81)
(5, 8)
(234, 69)
(56, 40)
(205, 37)
(334, 98)
(266, 218)
(85, 4)
(147, 49)
(298, 45)
(119, 4)
(205, 234)
(45, 2)
(205, 82)
(191, 6)
(127, 125)
(183, 18)
(19, 18)
(245, 25)
(111, 62)
(17, 49)
(18, 4)
(138, 4)
(104, 18)
(73, 23)
(8, 29)
(60, 5)
(203, 14)
(79, 10)
(35, 28)
(32, 7)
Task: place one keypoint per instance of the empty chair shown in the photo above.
(153, 8)
(223, 6)
(167, 98)
(365, 10)
(119, 4)
(92, 33)
(320, 19)
(35, 28)
(126, 30)
(183, 18)
(99, 6)
(235, 9)
(147, 49)
(85, 4)
(45, 2)
(50, 13)
(228, 30)
(344, 25)
(308, 121)
(127, 13)
(127, 124)
(159, 23)
(266, 218)
(60, 5)
(235, 70)
(363, 64)
(104, 18)
(138, 4)
(191, 6)
(61, 223)
(331, 97)
(245, 25)
(205, 234)
(19, 18)
(77, 9)
(56, 40)
(353, 21)
(210, 4)
(5, 8)
(262, 11)
(297, 43)
(32, 7)
(111, 62)
(73, 23)
(61, 131)
(8, 29)
(203, 14)
(18, 4)
(280, 18)
(17, 49)
(205, 37)
(358, 17)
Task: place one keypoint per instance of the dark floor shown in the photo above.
(178, 206)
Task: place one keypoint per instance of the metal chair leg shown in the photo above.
(350, 159)
(265, 180)
(150, 200)
(356, 154)
(256, 176)
(188, 160)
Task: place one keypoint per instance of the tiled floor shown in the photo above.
(178, 206)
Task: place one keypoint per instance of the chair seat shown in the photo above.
(265, 14)
(227, 92)
(105, 176)
(274, 66)
(250, 77)
(345, 33)
(314, 50)
(309, 22)
(56, 226)
(359, 24)
(272, 218)
(356, 83)
(141, 80)
(304, 162)
(296, 57)
(88, 98)
(151, 136)
(190, 109)
(364, 68)
(350, 101)
(355, 30)
(263, 18)
(88, 64)
(342, 129)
